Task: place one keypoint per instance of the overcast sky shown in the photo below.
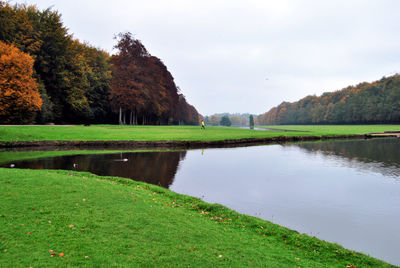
(248, 56)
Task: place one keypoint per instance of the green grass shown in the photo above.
(337, 129)
(163, 133)
(96, 221)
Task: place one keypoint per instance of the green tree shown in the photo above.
(225, 121)
(251, 121)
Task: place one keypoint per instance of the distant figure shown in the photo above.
(202, 125)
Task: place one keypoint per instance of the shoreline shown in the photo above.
(184, 143)
(266, 242)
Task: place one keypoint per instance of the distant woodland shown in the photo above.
(47, 76)
(237, 119)
(366, 103)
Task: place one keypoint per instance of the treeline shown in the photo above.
(143, 90)
(76, 81)
(366, 103)
(236, 119)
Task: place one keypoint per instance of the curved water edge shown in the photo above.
(344, 191)
(179, 143)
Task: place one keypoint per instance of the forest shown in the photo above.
(48, 76)
(366, 103)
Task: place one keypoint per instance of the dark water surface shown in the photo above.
(346, 192)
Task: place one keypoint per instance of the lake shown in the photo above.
(347, 192)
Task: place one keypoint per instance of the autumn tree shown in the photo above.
(366, 103)
(19, 96)
(73, 78)
(128, 92)
(143, 91)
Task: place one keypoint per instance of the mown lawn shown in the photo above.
(337, 129)
(163, 133)
(64, 218)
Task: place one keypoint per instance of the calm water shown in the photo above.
(346, 192)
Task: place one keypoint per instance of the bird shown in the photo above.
(12, 165)
(75, 165)
(122, 159)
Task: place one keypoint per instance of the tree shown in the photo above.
(73, 78)
(128, 90)
(251, 122)
(376, 102)
(19, 95)
(225, 121)
(143, 90)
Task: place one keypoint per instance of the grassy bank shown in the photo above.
(179, 133)
(64, 218)
(327, 130)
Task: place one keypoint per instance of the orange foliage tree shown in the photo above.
(19, 95)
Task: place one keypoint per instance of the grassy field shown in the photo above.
(337, 129)
(162, 133)
(63, 218)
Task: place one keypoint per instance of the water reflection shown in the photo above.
(376, 155)
(153, 167)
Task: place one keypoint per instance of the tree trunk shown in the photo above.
(135, 117)
(120, 116)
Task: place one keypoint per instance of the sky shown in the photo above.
(248, 56)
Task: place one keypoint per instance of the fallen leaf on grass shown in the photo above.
(219, 256)
(52, 255)
(61, 254)
(71, 225)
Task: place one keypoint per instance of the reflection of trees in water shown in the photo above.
(153, 167)
(378, 155)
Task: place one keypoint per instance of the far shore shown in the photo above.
(147, 136)
(187, 144)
